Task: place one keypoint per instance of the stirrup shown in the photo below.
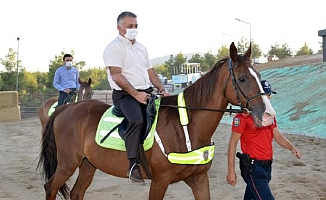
(135, 178)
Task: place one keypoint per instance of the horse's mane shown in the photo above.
(202, 90)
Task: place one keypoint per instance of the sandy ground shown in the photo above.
(292, 178)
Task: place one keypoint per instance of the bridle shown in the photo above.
(89, 93)
(236, 89)
(71, 97)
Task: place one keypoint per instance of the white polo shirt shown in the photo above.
(133, 60)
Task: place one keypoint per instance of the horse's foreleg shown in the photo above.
(199, 185)
(85, 177)
(158, 188)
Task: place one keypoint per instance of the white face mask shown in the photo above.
(69, 64)
(131, 34)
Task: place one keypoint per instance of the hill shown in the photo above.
(285, 62)
(291, 61)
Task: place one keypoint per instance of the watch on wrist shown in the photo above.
(163, 90)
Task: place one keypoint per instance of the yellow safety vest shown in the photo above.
(199, 156)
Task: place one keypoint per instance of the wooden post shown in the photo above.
(322, 33)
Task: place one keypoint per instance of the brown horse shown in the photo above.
(70, 144)
(85, 92)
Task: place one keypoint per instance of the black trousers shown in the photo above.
(135, 114)
(65, 98)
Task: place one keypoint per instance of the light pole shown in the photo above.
(17, 65)
(249, 27)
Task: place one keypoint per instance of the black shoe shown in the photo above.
(135, 175)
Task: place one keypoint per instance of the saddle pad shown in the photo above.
(107, 122)
(52, 109)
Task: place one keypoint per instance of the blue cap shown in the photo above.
(267, 87)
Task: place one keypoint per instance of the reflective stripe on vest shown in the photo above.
(200, 156)
(182, 111)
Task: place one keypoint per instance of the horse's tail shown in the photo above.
(48, 156)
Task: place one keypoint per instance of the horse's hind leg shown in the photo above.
(57, 181)
(199, 185)
(84, 179)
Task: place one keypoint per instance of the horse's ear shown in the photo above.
(89, 81)
(233, 52)
(248, 53)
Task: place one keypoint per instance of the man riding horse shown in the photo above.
(130, 73)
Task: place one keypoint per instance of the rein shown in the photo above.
(70, 97)
(206, 109)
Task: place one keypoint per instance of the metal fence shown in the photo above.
(30, 104)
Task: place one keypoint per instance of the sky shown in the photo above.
(166, 27)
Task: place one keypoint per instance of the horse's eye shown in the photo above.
(241, 79)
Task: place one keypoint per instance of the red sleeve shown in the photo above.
(238, 124)
(274, 125)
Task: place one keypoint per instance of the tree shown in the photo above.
(305, 50)
(179, 59)
(41, 79)
(196, 58)
(98, 76)
(8, 82)
(206, 62)
(243, 45)
(210, 61)
(255, 50)
(28, 83)
(1, 82)
(9, 62)
(8, 76)
(169, 65)
(161, 69)
(281, 52)
(222, 52)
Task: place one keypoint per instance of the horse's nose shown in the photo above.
(268, 119)
(269, 114)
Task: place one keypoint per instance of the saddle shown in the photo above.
(122, 127)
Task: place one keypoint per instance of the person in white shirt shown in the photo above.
(130, 74)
